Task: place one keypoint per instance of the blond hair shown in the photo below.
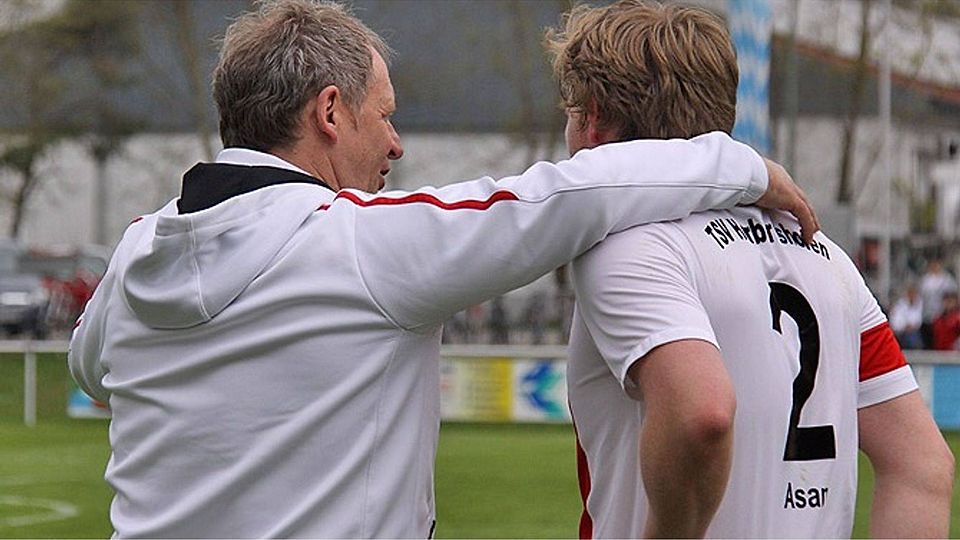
(647, 70)
(275, 59)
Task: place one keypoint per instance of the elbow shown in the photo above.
(930, 472)
(712, 424)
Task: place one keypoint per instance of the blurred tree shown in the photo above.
(844, 190)
(917, 16)
(20, 156)
(538, 125)
(176, 22)
(64, 68)
(103, 36)
(28, 63)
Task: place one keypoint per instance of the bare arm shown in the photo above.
(686, 443)
(913, 468)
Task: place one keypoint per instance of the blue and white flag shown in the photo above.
(751, 25)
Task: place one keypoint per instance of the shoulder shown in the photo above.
(640, 243)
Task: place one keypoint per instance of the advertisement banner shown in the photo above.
(540, 391)
(477, 390)
(503, 389)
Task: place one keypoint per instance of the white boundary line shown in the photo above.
(51, 510)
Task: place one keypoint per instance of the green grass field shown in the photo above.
(493, 481)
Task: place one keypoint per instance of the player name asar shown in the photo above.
(814, 497)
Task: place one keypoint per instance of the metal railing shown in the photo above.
(30, 348)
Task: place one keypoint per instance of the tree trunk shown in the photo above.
(844, 189)
(195, 75)
(20, 199)
(101, 198)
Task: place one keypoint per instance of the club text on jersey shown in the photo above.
(729, 230)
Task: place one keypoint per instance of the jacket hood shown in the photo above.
(185, 268)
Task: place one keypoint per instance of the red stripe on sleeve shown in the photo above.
(470, 204)
(879, 352)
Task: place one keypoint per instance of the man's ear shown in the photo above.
(327, 113)
(596, 133)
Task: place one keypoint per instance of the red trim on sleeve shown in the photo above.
(583, 477)
(879, 352)
(140, 218)
(470, 204)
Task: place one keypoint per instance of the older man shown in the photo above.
(268, 342)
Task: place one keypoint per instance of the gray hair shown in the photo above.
(275, 59)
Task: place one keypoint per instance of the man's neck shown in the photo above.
(316, 163)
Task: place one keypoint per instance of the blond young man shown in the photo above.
(722, 371)
(269, 341)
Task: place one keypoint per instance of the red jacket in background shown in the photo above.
(946, 330)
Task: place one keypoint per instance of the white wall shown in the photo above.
(926, 47)
(147, 173)
(144, 175)
(819, 149)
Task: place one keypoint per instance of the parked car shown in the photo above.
(70, 275)
(24, 300)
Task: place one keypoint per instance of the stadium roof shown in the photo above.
(825, 83)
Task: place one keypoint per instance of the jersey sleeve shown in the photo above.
(427, 254)
(884, 373)
(635, 293)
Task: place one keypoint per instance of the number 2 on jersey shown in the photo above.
(813, 442)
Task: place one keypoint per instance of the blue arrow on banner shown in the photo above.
(538, 389)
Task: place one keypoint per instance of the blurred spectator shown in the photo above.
(934, 284)
(498, 322)
(906, 318)
(455, 330)
(70, 275)
(946, 327)
(535, 317)
(564, 303)
(475, 323)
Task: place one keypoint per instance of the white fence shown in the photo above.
(459, 371)
(29, 350)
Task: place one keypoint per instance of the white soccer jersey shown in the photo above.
(801, 336)
(270, 349)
